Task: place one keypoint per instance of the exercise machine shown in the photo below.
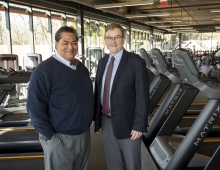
(93, 54)
(184, 156)
(149, 64)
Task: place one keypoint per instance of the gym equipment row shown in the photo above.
(161, 150)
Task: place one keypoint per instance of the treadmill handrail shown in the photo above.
(190, 74)
(162, 66)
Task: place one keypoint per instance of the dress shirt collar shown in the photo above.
(117, 56)
(61, 59)
(58, 57)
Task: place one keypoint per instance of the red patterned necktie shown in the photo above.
(74, 62)
(105, 108)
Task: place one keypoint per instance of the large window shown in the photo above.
(3, 33)
(41, 33)
(132, 45)
(94, 33)
(157, 41)
(102, 26)
(86, 34)
(57, 22)
(147, 41)
(20, 33)
(71, 21)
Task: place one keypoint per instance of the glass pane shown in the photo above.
(42, 45)
(71, 21)
(3, 33)
(93, 32)
(101, 36)
(132, 40)
(85, 34)
(20, 34)
(57, 22)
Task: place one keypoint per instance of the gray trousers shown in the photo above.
(120, 152)
(66, 152)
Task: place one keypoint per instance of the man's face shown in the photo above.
(67, 46)
(114, 41)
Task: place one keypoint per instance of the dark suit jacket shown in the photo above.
(129, 96)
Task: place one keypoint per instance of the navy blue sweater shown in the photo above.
(60, 99)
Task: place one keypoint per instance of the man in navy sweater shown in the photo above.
(60, 104)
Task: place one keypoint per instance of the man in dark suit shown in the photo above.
(121, 102)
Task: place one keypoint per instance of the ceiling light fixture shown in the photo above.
(158, 22)
(148, 15)
(214, 10)
(114, 5)
(216, 19)
(172, 21)
(174, 25)
(153, 22)
(180, 25)
(187, 28)
(163, 26)
(183, 31)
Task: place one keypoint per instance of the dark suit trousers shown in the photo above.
(118, 151)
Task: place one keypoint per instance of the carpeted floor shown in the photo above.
(97, 155)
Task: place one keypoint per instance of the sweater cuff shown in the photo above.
(48, 135)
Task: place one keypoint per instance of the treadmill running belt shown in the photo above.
(18, 135)
(14, 117)
(19, 140)
(24, 161)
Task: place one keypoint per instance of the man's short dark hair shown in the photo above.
(62, 29)
(113, 26)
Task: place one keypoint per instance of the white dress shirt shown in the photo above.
(63, 60)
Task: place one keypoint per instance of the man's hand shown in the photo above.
(135, 134)
(93, 126)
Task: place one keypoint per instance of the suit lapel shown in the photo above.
(101, 72)
(120, 69)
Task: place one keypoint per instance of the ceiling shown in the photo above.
(195, 15)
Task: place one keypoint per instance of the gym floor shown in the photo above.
(97, 155)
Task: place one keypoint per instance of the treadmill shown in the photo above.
(159, 84)
(152, 71)
(14, 78)
(7, 116)
(10, 69)
(20, 147)
(184, 156)
(24, 161)
(19, 140)
(169, 103)
(93, 55)
(31, 60)
(12, 118)
(214, 161)
(170, 99)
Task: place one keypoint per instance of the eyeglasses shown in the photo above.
(113, 38)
